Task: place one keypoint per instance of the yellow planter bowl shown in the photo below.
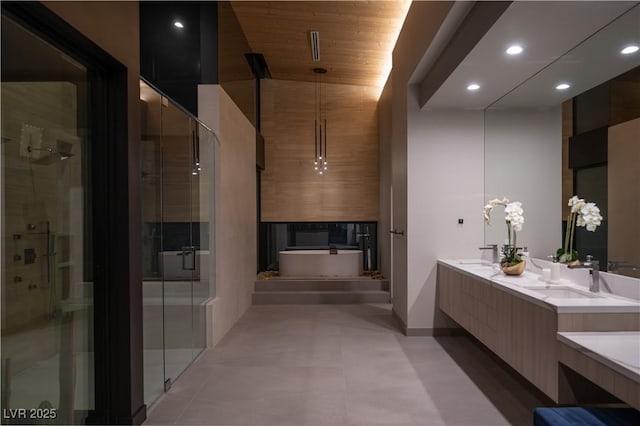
(517, 269)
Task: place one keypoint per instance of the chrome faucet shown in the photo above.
(594, 271)
(494, 252)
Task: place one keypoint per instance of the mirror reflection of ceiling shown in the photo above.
(576, 42)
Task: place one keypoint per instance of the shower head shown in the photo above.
(64, 149)
(63, 152)
(45, 160)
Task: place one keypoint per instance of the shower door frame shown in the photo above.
(117, 326)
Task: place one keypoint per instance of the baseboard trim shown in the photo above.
(436, 332)
(140, 416)
(419, 331)
(426, 331)
(399, 320)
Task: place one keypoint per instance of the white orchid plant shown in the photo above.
(582, 214)
(514, 217)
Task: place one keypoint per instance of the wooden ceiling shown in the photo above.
(356, 37)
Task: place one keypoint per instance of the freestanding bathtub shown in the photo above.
(319, 263)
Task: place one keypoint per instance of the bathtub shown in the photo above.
(319, 263)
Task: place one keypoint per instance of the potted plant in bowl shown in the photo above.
(511, 262)
(582, 214)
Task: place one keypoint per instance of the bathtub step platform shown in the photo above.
(320, 290)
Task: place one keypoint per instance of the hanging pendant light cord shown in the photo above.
(320, 122)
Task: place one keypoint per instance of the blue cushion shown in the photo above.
(586, 416)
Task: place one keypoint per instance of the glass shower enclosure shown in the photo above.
(46, 251)
(178, 164)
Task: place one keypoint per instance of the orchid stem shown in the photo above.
(573, 227)
(567, 233)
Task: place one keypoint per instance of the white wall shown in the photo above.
(445, 183)
(523, 162)
(235, 210)
(447, 161)
(418, 30)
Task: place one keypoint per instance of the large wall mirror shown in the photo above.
(536, 131)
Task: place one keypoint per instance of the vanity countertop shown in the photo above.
(529, 286)
(618, 350)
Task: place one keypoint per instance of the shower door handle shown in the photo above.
(188, 252)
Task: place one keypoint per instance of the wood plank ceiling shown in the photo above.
(356, 37)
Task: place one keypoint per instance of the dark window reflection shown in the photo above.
(322, 236)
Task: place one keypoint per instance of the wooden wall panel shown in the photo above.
(292, 191)
(624, 194)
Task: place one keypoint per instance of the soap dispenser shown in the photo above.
(555, 269)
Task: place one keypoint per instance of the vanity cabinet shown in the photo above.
(520, 332)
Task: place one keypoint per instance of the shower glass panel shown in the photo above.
(46, 251)
(153, 334)
(177, 180)
(179, 248)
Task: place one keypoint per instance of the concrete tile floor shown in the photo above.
(323, 365)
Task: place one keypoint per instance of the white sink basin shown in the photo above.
(565, 293)
(478, 266)
(474, 262)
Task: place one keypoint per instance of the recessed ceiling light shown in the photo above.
(514, 50)
(632, 48)
(562, 86)
(473, 87)
(178, 24)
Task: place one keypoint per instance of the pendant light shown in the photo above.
(320, 124)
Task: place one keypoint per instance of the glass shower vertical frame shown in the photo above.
(180, 224)
(152, 287)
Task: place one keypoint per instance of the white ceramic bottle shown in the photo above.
(555, 271)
